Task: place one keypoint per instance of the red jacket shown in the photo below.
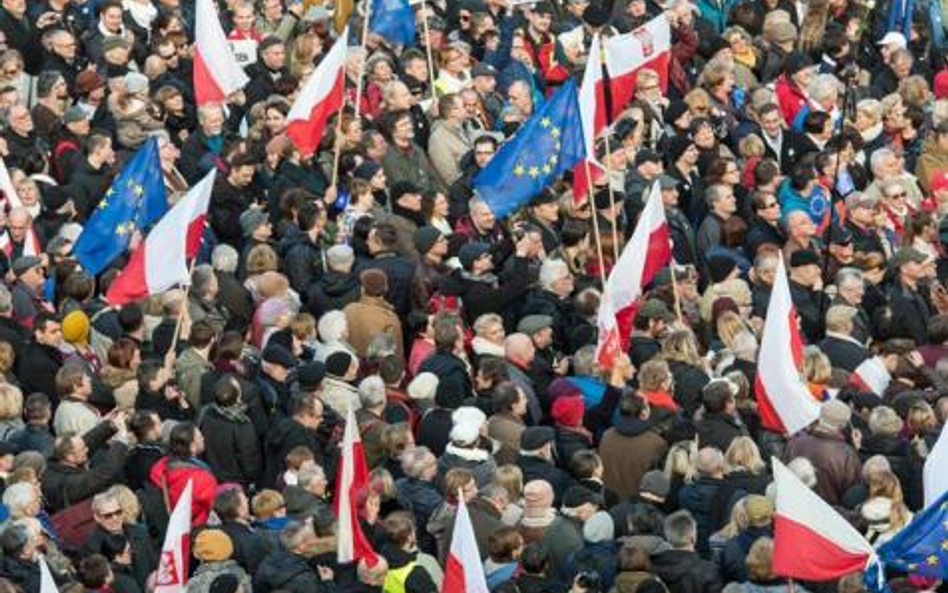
(790, 98)
(203, 489)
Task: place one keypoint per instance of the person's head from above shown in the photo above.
(894, 196)
(519, 349)
(719, 397)
(186, 441)
(73, 381)
(537, 441)
(211, 119)
(654, 377)
(909, 264)
(868, 114)
(799, 226)
(71, 449)
(681, 531)
(841, 245)
(459, 481)
(805, 268)
(242, 169)
(710, 463)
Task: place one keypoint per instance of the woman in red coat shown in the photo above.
(172, 473)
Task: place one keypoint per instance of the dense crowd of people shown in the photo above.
(371, 277)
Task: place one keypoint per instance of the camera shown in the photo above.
(590, 581)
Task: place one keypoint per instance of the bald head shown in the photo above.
(519, 348)
(710, 462)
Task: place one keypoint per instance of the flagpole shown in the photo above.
(337, 149)
(431, 70)
(612, 197)
(792, 586)
(595, 217)
(674, 281)
(365, 36)
(181, 313)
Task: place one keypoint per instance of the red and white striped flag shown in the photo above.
(320, 98)
(785, 402)
(216, 71)
(176, 551)
(47, 583)
(592, 112)
(647, 252)
(871, 376)
(351, 477)
(649, 46)
(811, 540)
(463, 571)
(161, 260)
(10, 196)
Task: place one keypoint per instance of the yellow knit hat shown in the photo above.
(76, 327)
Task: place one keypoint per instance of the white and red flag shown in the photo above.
(161, 261)
(47, 583)
(463, 571)
(649, 46)
(351, 478)
(646, 253)
(811, 540)
(785, 403)
(176, 551)
(321, 97)
(592, 112)
(216, 72)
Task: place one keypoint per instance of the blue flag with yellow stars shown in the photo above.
(135, 200)
(919, 549)
(547, 144)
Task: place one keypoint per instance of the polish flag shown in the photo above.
(10, 196)
(649, 46)
(592, 112)
(351, 477)
(321, 97)
(161, 260)
(647, 252)
(785, 402)
(173, 565)
(934, 476)
(610, 345)
(47, 583)
(31, 245)
(811, 540)
(216, 71)
(463, 571)
(871, 376)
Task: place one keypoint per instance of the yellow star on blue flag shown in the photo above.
(135, 200)
(547, 144)
(920, 548)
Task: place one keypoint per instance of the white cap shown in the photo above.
(467, 425)
(894, 38)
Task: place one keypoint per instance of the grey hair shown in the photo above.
(846, 276)
(875, 161)
(295, 534)
(201, 279)
(839, 318)
(823, 87)
(6, 299)
(804, 470)
(19, 496)
(485, 321)
(382, 344)
(680, 529)
(333, 326)
(372, 391)
(552, 270)
(224, 259)
(766, 260)
(715, 192)
(310, 473)
(102, 498)
(415, 460)
(204, 110)
(584, 360)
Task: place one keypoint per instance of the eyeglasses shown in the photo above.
(898, 196)
(768, 205)
(111, 514)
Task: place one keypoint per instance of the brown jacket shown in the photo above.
(836, 462)
(622, 472)
(370, 316)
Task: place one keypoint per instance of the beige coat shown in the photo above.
(368, 317)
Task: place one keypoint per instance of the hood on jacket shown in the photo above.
(632, 427)
(337, 284)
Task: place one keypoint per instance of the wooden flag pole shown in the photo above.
(426, 30)
(184, 305)
(612, 197)
(674, 281)
(365, 57)
(597, 236)
(337, 149)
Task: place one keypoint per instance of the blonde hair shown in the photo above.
(914, 90)
(510, 478)
(750, 146)
(11, 402)
(744, 454)
(883, 420)
(885, 484)
(739, 520)
(816, 366)
(759, 560)
(681, 345)
(920, 418)
(729, 325)
(7, 357)
(653, 374)
(698, 101)
(262, 258)
(131, 506)
(681, 461)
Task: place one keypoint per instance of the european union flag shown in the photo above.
(394, 20)
(547, 144)
(920, 549)
(135, 200)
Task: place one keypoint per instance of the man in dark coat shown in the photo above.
(338, 286)
(41, 358)
(682, 568)
(231, 447)
(400, 271)
(302, 255)
(109, 518)
(231, 197)
(910, 312)
(622, 473)
(300, 429)
(267, 71)
(70, 478)
(21, 35)
(287, 568)
(479, 288)
(92, 175)
(553, 298)
(536, 462)
(720, 424)
(806, 292)
(843, 350)
(454, 379)
(709, 498)
(250, 547)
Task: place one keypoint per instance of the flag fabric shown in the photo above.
(216, 71)
(342, 10)
(649, 46)
(351, 477)
(173, 564)
(900, 17)
(160, 261)
(394, 20)
(934, 476)
(10, 196)
(610, 344)
(920, 549)
(47, 583)
(31, 245)
(463, 571)
(135, 200)
(871, 376)
(647, 252)
(321, 97)
(811, 540)
(545, 146)
(592, 112)
(784, 401)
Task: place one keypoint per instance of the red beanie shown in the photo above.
(940, 85)
(568, 411)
